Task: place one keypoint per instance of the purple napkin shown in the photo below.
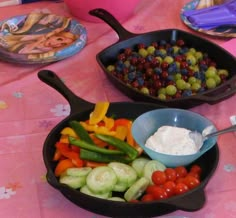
(212, 17)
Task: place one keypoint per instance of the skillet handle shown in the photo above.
(191, 202)
(113, 23)
(77, 104)
(231, 84)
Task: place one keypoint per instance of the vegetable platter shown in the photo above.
(81, 112)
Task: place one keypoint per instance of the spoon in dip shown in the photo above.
(199, 138)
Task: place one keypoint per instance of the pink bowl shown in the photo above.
(120, 9)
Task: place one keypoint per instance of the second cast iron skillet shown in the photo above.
(80, 110)
(128, 39)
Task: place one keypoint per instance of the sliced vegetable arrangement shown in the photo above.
(100, 158)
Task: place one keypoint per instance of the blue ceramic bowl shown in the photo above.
(147, 124)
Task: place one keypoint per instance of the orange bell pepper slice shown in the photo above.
(69, 153)
(62, 165)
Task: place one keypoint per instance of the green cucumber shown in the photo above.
(138, 164)
(150, 167)
(73, 181)
(120, 187)
(75, 171)
(87, 191)
(125, 173)
(137, 189)
(101, 180)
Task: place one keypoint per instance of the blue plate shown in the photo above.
(226, 31)
(40, 38)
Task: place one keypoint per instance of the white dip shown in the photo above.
(172, 140)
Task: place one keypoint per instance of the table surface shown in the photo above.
(29, 109)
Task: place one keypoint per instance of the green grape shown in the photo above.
(127, 63)
(194, 68)
(198, 55)
(169, 59)
(110, 68)
(171, 90)
(192, 80)
(163, 51)
(177, 64)
(210, 83)
(143, 52)
(217, 79)
(162, 91)
(176, 49)
(145, 90)
(178, 76)
(223, 72)
(187, 86)
(210, 73)
(159, 59)
(190, 58)
(192, 50)
(151, 49)
(162, 96)
(195, 86)
(180, 83)
(212, 68)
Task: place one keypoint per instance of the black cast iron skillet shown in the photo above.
(129, 40)
(80, 110)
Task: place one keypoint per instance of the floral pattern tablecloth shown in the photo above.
(29, 109)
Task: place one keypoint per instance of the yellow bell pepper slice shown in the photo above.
(104, 130)
(69, 132)
(99, 112)
(121, 132)
(88, 127)
(109, 122)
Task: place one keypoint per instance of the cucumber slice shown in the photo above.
(138, 164)
(120, 187)
(75, 171)
(87, 191)
(116, 199)
(101, 180)
(137, 189)
(152, 166)
(73, 181)
(125, 173)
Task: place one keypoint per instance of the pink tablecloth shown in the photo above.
(29, 110)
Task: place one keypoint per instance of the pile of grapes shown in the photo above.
(167, 70)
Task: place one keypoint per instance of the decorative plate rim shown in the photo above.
(74, 27)
(192, 5)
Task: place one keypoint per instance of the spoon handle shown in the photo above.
(229, 129)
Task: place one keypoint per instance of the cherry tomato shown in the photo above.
(179, 180)
(147, 197)
(150, 189)
(158, 177)
(181, 188)
(159, 193)
(170, 174)
(181, 172)
(196, 175)
(196, 169)
(191, 181)
(169, 187)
